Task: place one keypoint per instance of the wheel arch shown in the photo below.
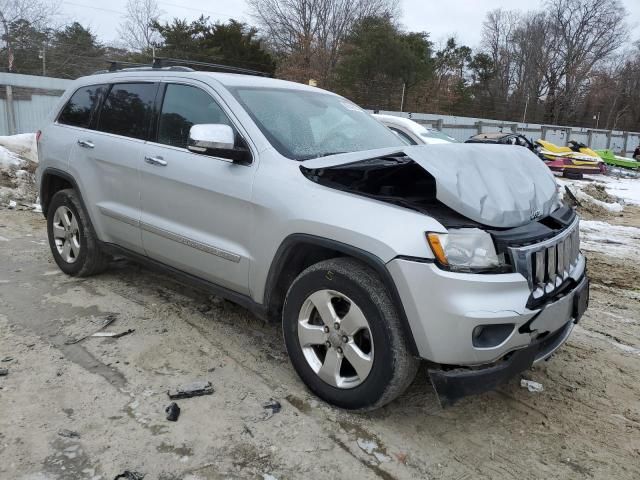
(52, 181)
(299, 251)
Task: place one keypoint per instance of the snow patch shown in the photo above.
(22, 146)
(18, 157)
(613, 240)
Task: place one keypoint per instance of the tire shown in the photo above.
(67, 217)
(381, 346)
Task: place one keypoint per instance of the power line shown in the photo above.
(175, 5)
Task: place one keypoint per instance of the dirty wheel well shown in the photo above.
(291, 263)
(299, 251)
(51, 184)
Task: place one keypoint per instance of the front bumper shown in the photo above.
(444, 308)
(452, 385)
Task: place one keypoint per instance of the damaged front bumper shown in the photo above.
(447, 310)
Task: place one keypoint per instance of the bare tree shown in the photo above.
(136, 30)
(36, 12)
(310, 32)
(581, 34)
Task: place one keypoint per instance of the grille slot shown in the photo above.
(548, 264)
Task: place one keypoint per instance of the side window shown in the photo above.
(80, 107)
(184, 106)
(403, 136)
(127, 109)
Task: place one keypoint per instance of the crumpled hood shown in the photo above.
(499, 186)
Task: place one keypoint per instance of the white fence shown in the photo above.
(26, 100)
(461, 128)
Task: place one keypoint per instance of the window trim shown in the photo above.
(94, 110)
(104, 97)
(162, 90)
(403, 134)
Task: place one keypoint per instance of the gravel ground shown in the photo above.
(112, 392)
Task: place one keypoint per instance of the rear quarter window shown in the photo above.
(81, 106)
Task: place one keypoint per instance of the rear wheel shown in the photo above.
(344, 337)
(72, 239)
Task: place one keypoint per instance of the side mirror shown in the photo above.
(218, 140)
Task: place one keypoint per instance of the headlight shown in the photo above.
(465, 250)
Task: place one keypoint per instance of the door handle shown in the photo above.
(86, 143)
(156, 161)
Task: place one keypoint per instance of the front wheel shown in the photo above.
(344, 336)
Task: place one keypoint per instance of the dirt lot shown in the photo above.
(112, 392)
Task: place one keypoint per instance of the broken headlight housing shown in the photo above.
(466, 250)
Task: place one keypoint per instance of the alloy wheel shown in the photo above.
(335, 338)
(66, 234)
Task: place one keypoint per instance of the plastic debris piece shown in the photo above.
(173, 412)
(113, 334)
(271, 408)
(109, 319)
(130, 475)
(274, 405)
(7, 359)
(531, 385)
(68, 433)
(194, 389)
(12, 204)
(4, 372)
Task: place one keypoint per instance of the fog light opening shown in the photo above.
(489, 336)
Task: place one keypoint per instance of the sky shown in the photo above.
(460, 18)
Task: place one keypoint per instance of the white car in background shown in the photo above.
(412, 132)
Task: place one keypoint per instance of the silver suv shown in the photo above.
(300, 206)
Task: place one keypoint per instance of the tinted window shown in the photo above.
(183, 107)
(81, 105)
(127, 109)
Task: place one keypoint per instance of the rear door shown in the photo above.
(107, 159)
(196, 209)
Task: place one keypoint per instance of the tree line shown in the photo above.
(571, 62)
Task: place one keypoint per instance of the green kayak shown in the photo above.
(611, 158)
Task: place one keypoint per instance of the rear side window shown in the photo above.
(127, 109)
(183, 107)
(81, 106)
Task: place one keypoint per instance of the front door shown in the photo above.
(196, 209)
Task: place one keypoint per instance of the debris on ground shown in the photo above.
(113, 334)
(194, 389)
(7, 359)
(4, 372)
(68, 433)
(108, 320)
(173, 412)
(271, 408)
(531, 385)
(571, 196)
(130, 475)
(597, 191)
(12, 204)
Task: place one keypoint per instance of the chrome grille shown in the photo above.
(546, 265)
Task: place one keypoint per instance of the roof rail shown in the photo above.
(175, 65)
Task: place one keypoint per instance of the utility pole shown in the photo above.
(597, 119)
(43, 56)
(402, 99)
(524, 115)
